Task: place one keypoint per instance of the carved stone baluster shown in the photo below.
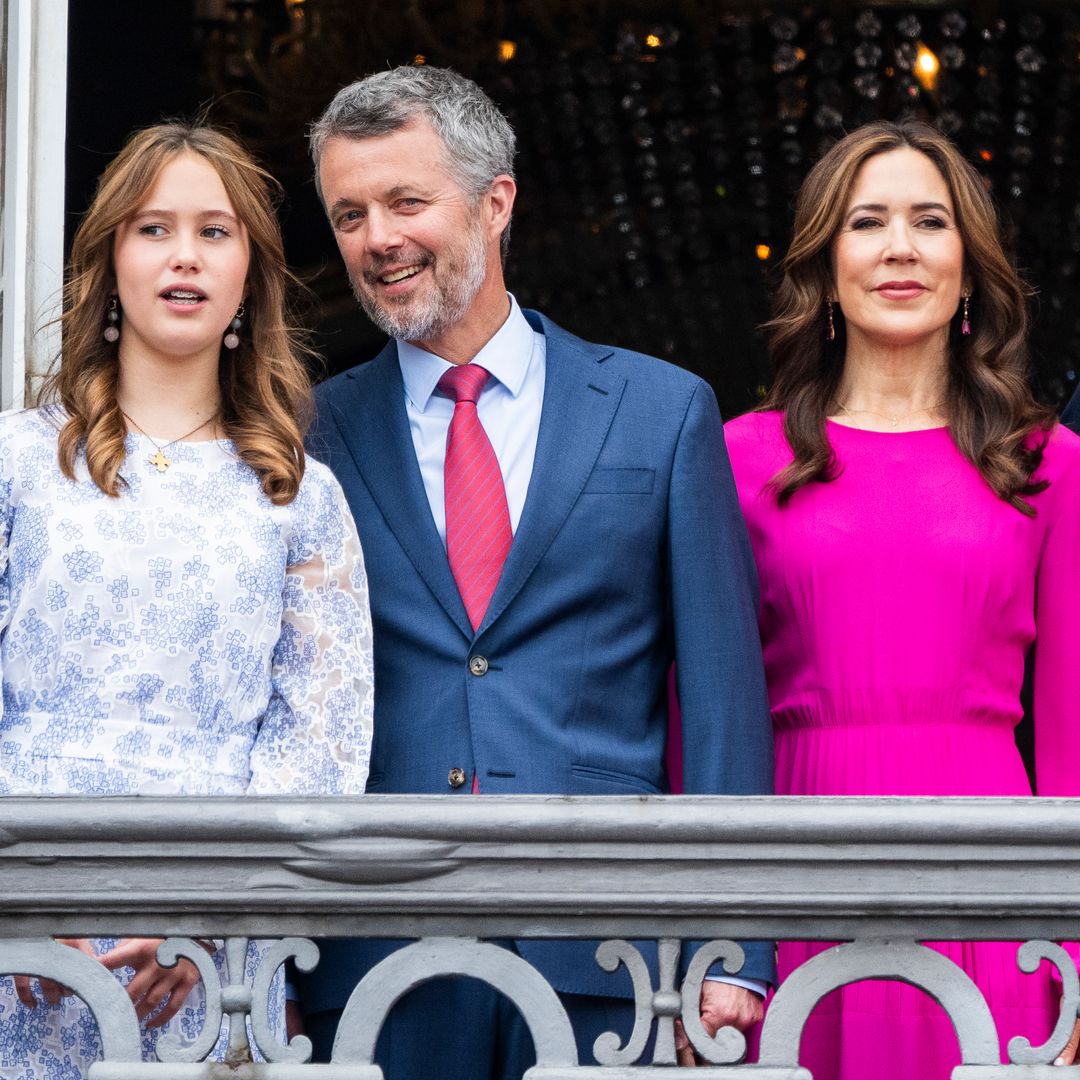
(729, 1044)
(664, 1004)
(904, 961)
(236, 1001)
(667, 1001)
(1029, 957)
(171, 1047)
(432, 958)
(98, 987)
(306, 955)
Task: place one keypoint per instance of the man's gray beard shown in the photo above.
(451, 298)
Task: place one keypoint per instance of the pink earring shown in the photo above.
(111, 333)
(232, 339)
(965, 319)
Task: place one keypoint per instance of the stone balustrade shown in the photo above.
(878, 875)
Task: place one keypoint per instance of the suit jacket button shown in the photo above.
(478, 665)
(456, 777)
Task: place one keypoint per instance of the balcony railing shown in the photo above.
(880, 875)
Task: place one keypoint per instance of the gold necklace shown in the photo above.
(893, 420)
(160, 461)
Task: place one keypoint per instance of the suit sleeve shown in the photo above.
(1071, 416)
(726, 728)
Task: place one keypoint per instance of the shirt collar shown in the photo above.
(506, 355)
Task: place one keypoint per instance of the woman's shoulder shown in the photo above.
(43, 422)
(320, 516)
(28, 449)
(23, 430)
(1061, 458)
(757, 450)
(318, 480)
(757, 425)
(320, 502)
(757, 433)
(1063, 443)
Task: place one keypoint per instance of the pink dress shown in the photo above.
(897, 606)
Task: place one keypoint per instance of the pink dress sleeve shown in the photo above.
(1057, 626)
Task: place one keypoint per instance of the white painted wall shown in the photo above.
(32, 212)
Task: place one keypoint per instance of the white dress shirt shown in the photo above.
(509, 408)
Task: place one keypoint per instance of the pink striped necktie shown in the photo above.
(478, 534)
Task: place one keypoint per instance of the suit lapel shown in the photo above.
(370, 413)
(580, 401)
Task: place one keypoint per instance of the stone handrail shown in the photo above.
(878, 874)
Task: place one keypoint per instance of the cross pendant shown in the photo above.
(160, 461)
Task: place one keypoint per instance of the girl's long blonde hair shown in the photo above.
(266, 401)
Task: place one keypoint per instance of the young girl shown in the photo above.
(183, 604)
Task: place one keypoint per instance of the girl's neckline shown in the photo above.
(179, 442)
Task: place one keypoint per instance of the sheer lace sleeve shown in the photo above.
(7, 483)
(5, 535)
(315, 737)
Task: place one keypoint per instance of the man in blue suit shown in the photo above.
(614, 548)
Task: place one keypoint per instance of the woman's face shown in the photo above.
(181, 263)
(898, 259)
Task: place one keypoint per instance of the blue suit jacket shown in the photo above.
(1071, 416)
(630, 552)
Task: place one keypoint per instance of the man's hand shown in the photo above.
(152, 983)
(1068, 1056)
(294, 1021)
(722, 1005)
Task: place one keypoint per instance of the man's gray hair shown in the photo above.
(479, 140)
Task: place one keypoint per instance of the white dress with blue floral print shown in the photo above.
(186, 638)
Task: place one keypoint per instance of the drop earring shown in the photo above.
(232, 339)
(965, 319)
(111, 333)
(830, 332)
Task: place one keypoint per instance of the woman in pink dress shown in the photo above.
(915, 517)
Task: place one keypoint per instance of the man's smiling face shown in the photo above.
(413, 241)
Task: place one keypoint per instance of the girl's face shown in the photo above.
(181, 263)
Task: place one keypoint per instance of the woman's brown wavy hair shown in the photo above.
(993, 417)
(266, 400)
